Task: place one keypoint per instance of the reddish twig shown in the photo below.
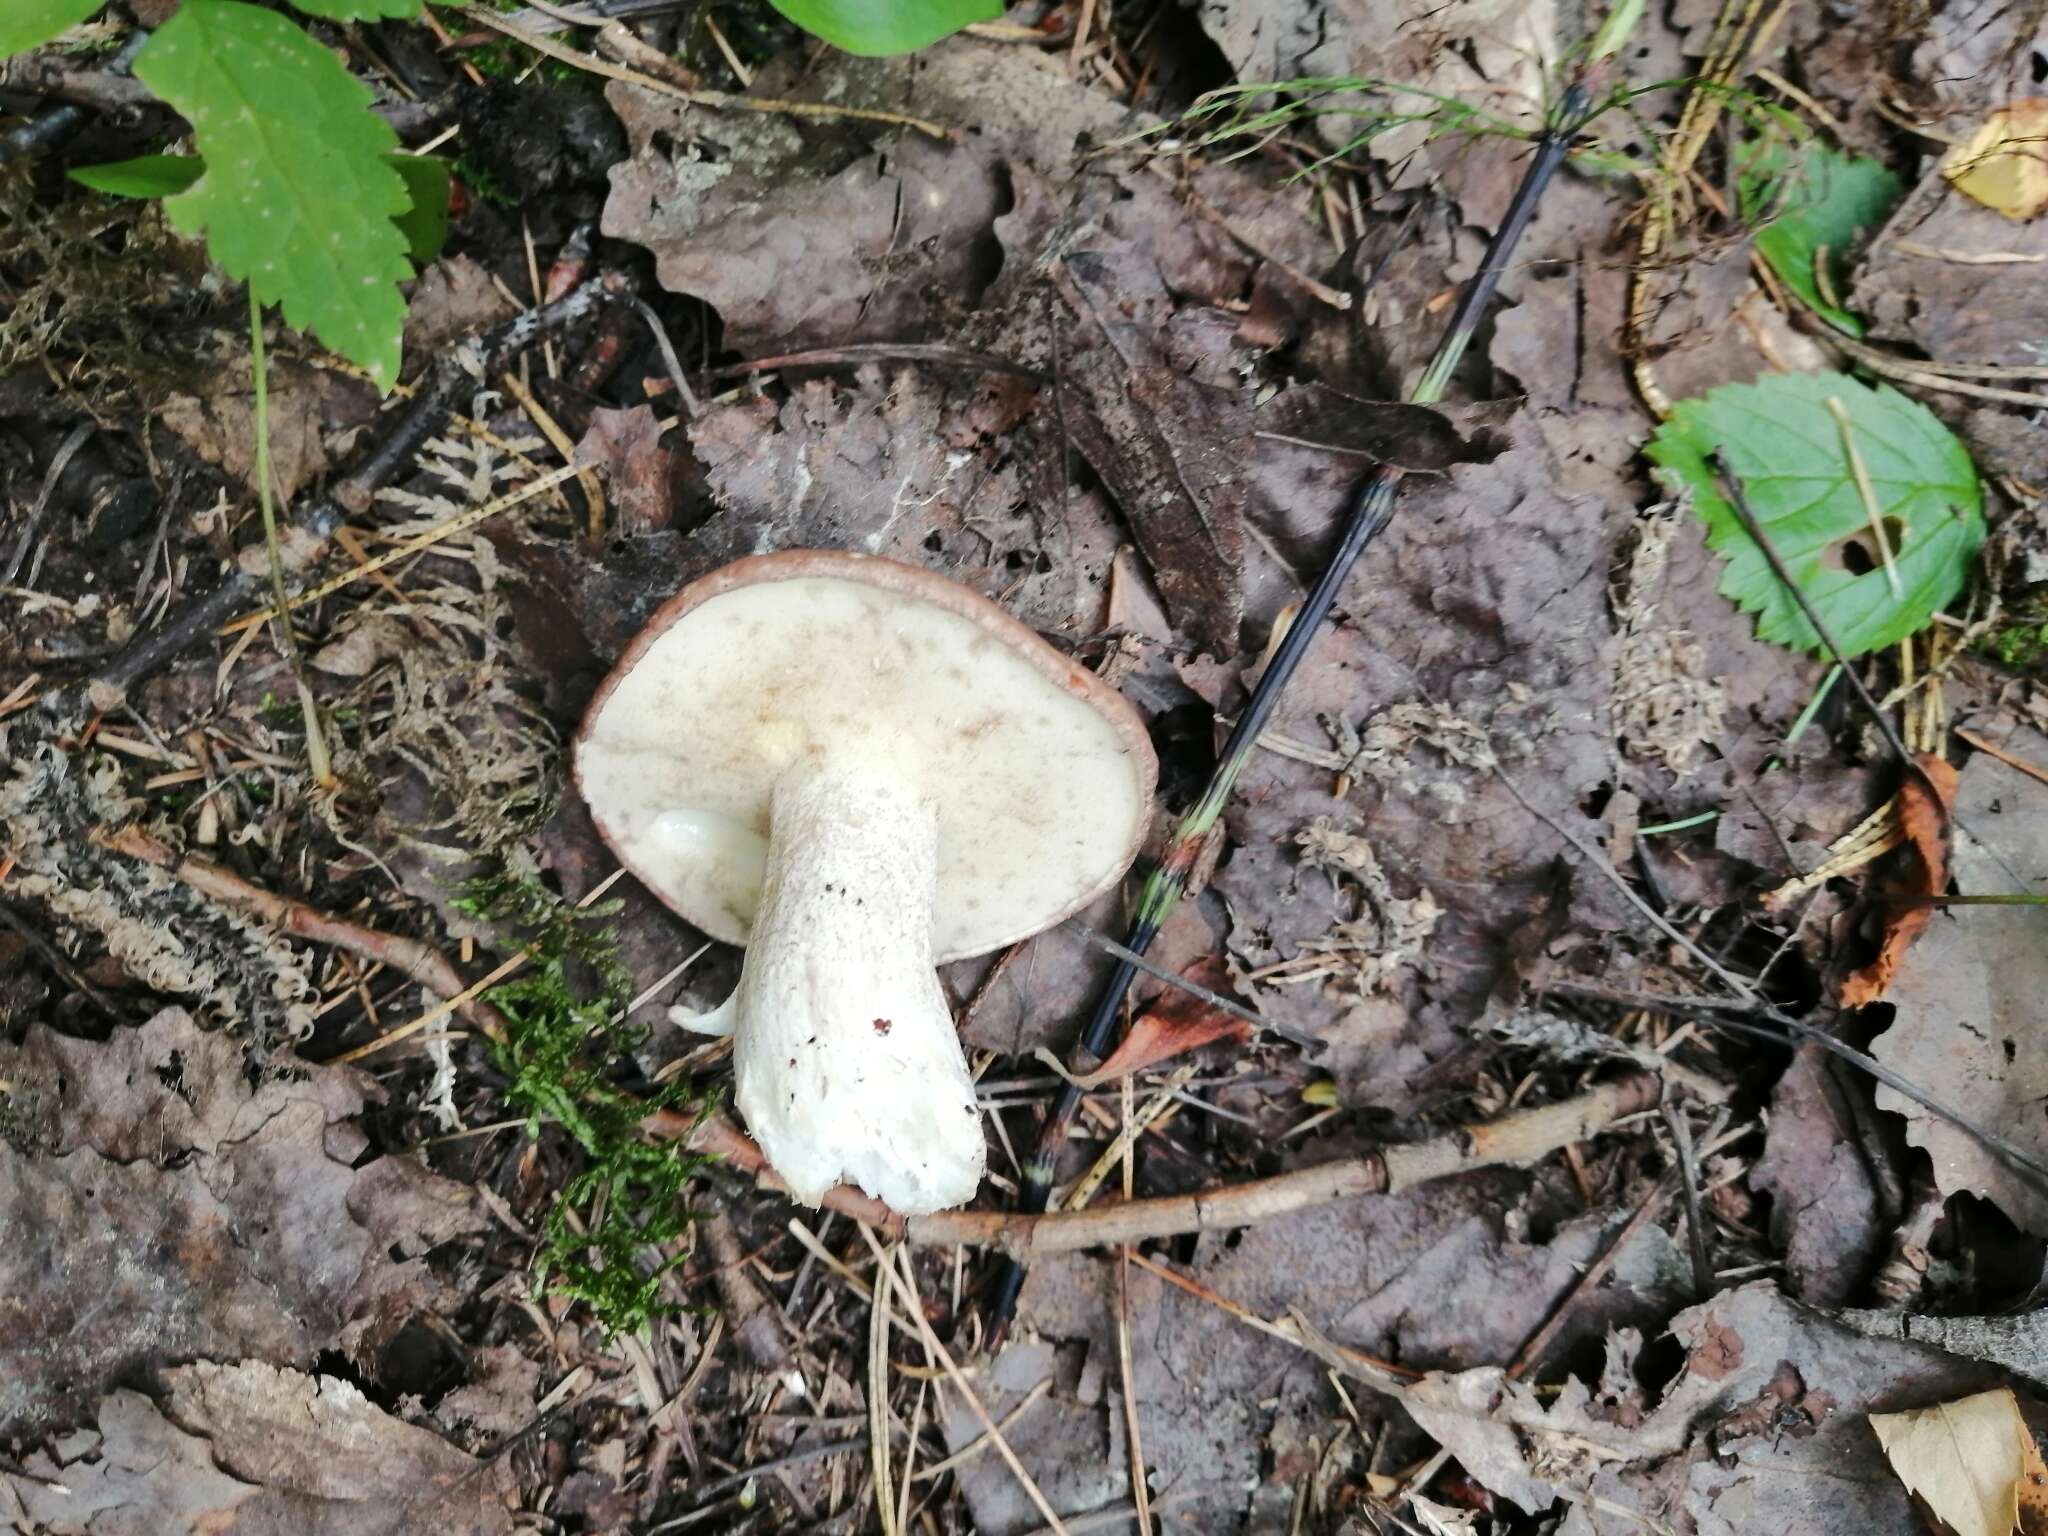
(420, 962)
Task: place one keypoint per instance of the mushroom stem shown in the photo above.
(847, 1063)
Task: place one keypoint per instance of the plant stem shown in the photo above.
(316, 743)
(1371, 509)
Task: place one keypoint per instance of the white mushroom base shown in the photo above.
(847, 1065)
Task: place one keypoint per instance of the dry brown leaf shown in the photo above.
(2004, 165)
(1968, 995)
(1965, 1458)
(155, 1203)
(248, 1450)
(308, 406)
(1176, 1023)
(639, 468)
(1925, 798)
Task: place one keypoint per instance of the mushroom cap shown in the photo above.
(1039, 773)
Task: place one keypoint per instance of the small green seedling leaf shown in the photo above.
(875, 27)
(1786, 447)
(1822, 207)
(425, 224)
(26, 24)
(360, 10)
(144, 176)
(298, 197)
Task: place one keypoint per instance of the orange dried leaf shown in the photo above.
(1925, 796)
(1175, 1023)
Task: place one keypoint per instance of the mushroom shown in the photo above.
(859, 770)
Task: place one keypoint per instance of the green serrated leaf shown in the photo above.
(359, 10)
(298, 198)
(1781, 441)
(875, 27)
(28, 24)
(425, 224)
(144, 176)
(1815, 200)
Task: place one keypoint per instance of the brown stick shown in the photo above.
(1515, 1140)
(420, 962)
(1539, 1341)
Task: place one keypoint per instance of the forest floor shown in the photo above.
(342, 1187)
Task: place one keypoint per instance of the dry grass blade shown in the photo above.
(878, 1410)
(717, 100)
(886, 1274)
(411, 547)
(984, 1440)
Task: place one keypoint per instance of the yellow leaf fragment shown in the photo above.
(2004, 165)
(1965, 1459)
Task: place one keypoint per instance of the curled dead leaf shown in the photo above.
(2004, 165)
(1968, 1460)
(1925, 796)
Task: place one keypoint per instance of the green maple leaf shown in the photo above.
(297, 198)
(31, 23)
(1785, 447)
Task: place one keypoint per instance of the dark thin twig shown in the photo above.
(1754, 529)
(53, 125)
(1689, 1186)
(1372, 507)
(2008, 1152)
(45, 493)
(1059, 408)
(936, 354)
(57, 961)
(430, 409)
(669, 359)
(720, 1487)
(1652, 1002)
(1195, 989)
(1532, 1351)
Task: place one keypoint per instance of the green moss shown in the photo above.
(626, 1201)
(2022, 646)
(482, 185)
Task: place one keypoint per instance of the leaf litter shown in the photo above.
(1149, 416)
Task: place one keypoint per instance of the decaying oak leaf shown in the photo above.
(1967, 996)
(1925, 798)
(1968, 1459)
(1176, 1023)
(160, 1198)
(243, 1450)
(2004, 165)
(639, 468)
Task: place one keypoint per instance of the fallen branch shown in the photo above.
(1516, 1140)
(1368, 511)
(2019, 1343)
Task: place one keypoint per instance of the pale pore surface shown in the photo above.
(1034, 796)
